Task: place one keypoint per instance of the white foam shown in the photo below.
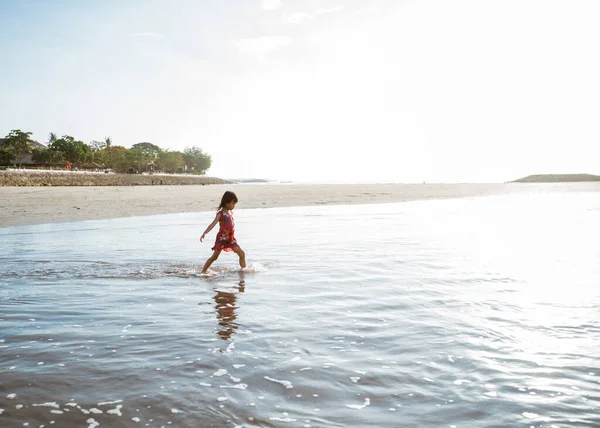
(116, 411)
(359, 406)
(238, 366)
(220, 372)
(135, 419)
(220, 399)
(105, 403)
(354, 379)
(228, 290)
(57, 412)
(48, 404)
(254, 268)
(92, 423)
(236, 386)
(11, 396)
(285, 383)
(274, 418)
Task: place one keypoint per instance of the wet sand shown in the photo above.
(38, 205)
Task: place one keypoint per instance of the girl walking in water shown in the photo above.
(225, 238)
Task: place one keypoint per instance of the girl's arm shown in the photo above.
(210, 226)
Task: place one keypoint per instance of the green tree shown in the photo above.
(19, 142)
(196, 160)
(47, 156)
(142, 155)
(99, 152)
(147, 148)
(116, 158)
(74, 151)
(6, 156)
(171, 162)
(96, 146)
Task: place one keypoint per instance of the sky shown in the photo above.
(316, 90)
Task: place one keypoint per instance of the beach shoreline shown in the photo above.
(40, 205)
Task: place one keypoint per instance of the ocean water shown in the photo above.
(481, 312)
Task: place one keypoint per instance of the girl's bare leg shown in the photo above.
(210, 260)
(242, 255)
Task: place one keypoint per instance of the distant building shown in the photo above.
(26, 159)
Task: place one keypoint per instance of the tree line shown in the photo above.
(141, 157)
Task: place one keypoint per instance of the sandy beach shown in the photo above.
(38, 205)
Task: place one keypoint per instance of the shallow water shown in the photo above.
(467, 313)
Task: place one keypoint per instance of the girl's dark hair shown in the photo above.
(228, 197)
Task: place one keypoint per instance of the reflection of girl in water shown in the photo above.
(225, 305)
(225, 240)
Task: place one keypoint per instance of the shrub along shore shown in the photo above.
(55, 178)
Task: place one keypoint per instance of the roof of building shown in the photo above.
(36, 145)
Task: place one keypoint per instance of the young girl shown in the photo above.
(225, 238)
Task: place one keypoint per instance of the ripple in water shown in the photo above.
(472, 312)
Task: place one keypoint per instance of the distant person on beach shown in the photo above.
(225, 240)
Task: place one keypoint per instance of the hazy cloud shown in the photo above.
(262, 45)
(297, 17)
(330, 9)
(271, 4)
(148, 34)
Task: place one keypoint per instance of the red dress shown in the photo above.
(226, 236)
